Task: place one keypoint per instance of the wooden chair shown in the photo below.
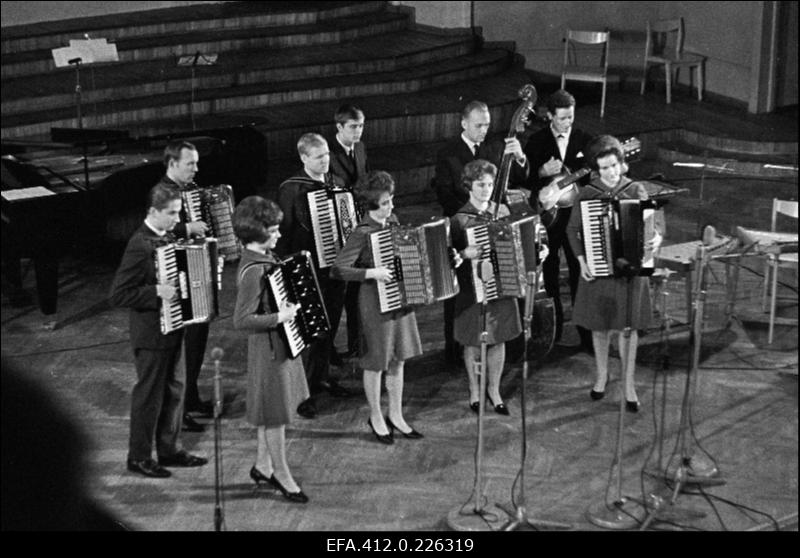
(777, 260)
(580, 47)
(664, 47)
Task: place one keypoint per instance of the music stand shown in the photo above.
(519, 513)
(219, 515)
(479, 518)
(194, 60)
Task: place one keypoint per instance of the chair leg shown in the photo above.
(700, 80)
(644, 79)
(773, 301)
(563, 80)
(668, 75)
(603, 101)
(765, 290)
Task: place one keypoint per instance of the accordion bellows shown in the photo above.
(214, 206)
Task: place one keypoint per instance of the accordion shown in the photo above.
(214, 206)
(419, 258)
(615, 234)
(195, 269)
(333, 217)
(511, 245)
(294, 280)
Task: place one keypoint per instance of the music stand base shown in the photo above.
(520, 520)
(465, 518)
(621, 515)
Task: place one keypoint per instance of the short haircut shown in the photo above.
(475, 170)
(559, 99)
(347, 112)
(473, 105)
(602, 146)
(253, 216)
(371, 187)
(172, 152)
(160, 195)
(309, 140)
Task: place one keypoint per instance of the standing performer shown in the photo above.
(472, 144)
(181, 162)
(157, 398)
(502, 315)
(276, 382)
(601, 304)
(296, 235)
(553, 152)
(391, 338)
(348, 162)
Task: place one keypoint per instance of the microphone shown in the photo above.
(709, 234)
(529, 296)
(217, 353)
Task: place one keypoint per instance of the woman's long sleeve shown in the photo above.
(248, 299)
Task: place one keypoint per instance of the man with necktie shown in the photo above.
(472, 144)
(552, 151)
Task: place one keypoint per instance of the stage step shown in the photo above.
(387, 53)
(173, 45)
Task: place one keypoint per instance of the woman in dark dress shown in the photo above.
(601, 303)
(276, 382)
(502, 315)
(389, 339)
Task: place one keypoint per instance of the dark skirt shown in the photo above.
(502, 323)
(602, 304)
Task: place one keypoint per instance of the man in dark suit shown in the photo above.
(296, 235)
(348, 162)
(554, 151)
(181, 162)
(450, 160)
(157, 398)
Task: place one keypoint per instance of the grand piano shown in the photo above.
(87, 189)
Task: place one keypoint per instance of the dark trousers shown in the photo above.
(451, 348)
(195, 339)
(316, 359)
(156, 403)
(551, 268)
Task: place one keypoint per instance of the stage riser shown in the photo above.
(127, 118)
(29, 43)
(349, 69)
(38, 62)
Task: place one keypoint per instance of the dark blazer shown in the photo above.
(134, 287)
(343, 166)
(450, 161)
(542, 145)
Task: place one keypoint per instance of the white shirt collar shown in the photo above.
(471, 144)
(152, 228)
(347, 150)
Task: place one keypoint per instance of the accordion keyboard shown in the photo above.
(323, 224)
(290, 327)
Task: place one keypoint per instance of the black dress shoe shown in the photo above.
(307, 409)
(597, 395)
(182, 459)
(632, 406)
(475, 406)
(204, 408)
(500, 408)
(413, 435)
(382, 438)
(148, 468)
(259, 477)
(191, 425)
(298, 497)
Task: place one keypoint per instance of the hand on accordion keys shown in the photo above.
(196, 228)
(455, 258)
(382, 274)
(287, 311)
(166, 292)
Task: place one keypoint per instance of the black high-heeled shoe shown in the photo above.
(382, 438)
(258, 476)
(597, 395)
(500, 408)
(413, 435)
(475, 407)
(632, 406)
(298, 497)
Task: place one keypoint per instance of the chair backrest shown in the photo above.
(784, 207)
(664, 35)
(593, 38)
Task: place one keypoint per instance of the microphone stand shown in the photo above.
(519, 515)
(78, 102)
(219, 515)
(480, 518)
(624, 512)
